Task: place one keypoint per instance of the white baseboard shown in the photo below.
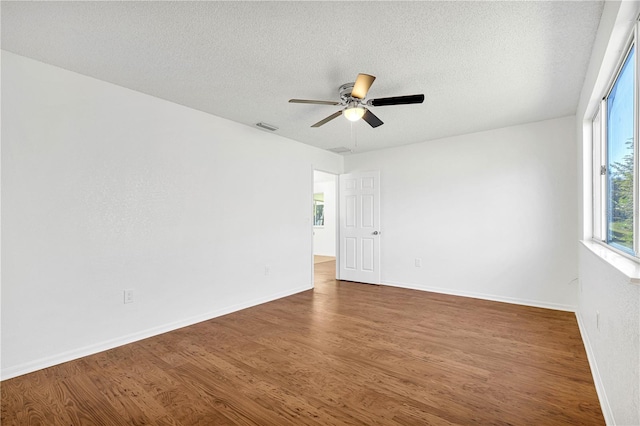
(492, 297)
(607, 412)
(31, 366)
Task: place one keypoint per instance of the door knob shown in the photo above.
(376, 233)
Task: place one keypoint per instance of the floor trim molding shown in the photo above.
(494, 298)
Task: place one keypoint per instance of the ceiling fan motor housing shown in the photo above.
(345, 92)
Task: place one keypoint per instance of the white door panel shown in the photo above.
(360, 227)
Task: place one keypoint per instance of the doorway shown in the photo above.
(325, 217)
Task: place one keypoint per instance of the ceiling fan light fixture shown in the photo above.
(353, 112)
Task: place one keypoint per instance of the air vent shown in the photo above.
(339, 150)
(267, 126)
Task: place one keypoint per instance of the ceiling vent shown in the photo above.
(267, 126)
(339, 150)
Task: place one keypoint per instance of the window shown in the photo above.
(620, 158)
(318, 209)
(614, 141)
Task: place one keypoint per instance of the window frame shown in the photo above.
(600, 184)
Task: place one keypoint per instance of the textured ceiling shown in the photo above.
(481, 65)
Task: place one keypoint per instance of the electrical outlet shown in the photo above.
(128, 296)
(418, 262)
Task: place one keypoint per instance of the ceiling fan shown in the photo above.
(352, 98)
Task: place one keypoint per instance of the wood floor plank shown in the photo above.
(341, 354)
(84, 403)
(31, 395)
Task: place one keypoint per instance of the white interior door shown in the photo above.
(360, 227)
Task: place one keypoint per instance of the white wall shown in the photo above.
(490, 214)
(614, 346)
(324, 238)
(612, 341)
(106, 189)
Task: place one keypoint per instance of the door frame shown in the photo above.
(337, 228)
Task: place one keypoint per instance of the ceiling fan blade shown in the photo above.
(397, 100)
(328, 119)
(371, 118)
(309, 101)
(362, 85)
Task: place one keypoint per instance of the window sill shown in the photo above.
(624, 265)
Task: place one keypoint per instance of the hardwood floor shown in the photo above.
(321, 259)
(344, 353)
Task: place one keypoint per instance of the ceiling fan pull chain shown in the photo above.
(354, 135)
